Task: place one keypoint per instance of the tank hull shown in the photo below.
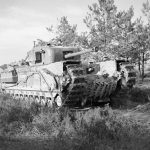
(43, 84)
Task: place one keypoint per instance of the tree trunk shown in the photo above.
(143, 66)
(139, 65)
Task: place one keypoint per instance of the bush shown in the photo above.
(5, 97)
(139, 95)
(99, 128)
(35, 108)
(94, 129)
(19, 114)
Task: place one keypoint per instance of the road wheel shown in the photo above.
(21, 97)
(17, 97)
(58, 101)
(37, 100)
(83, 102)
(31, 99)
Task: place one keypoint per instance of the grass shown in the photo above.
(128, 99)
(99, 128)
(140, 95)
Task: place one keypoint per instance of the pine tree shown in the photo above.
(65, 33)
(110, 30)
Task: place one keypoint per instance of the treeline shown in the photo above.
(114, 32)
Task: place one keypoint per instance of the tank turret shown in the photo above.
(45, 54)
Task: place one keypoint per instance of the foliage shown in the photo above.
(141, 41)
(100, 23)
(125, 32)
(65, 33)
(99, 128)
(3, 66)
(109, 30)
(139, 95)
(146, 10)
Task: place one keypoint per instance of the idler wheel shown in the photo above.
(58, 101)
(21, 97)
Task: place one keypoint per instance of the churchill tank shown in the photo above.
(56, 77)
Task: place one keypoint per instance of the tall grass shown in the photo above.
(140, 95)
(99, 128)
(128, 99)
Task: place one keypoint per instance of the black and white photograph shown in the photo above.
(75, 75)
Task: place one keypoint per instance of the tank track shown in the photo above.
(88, 89)
(99, 88)
(76, 91)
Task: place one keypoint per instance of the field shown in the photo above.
(124, 126)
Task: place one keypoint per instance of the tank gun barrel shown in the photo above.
(80, 53)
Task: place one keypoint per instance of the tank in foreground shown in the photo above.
(55, 76)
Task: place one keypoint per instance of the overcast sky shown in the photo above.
(23, 21)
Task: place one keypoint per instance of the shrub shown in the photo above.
(16, 114)
(99, 128)
(19, 114)
(139, 95)
(5, 97)
(35, 108)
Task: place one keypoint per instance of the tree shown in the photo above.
(143, 37)
(141, 45)
(65, 33)
(40, 42)
(146, 10)
(101, 23)
(109, 29)
(124, 32)
(3, 66)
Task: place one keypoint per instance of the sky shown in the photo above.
(24, 21)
